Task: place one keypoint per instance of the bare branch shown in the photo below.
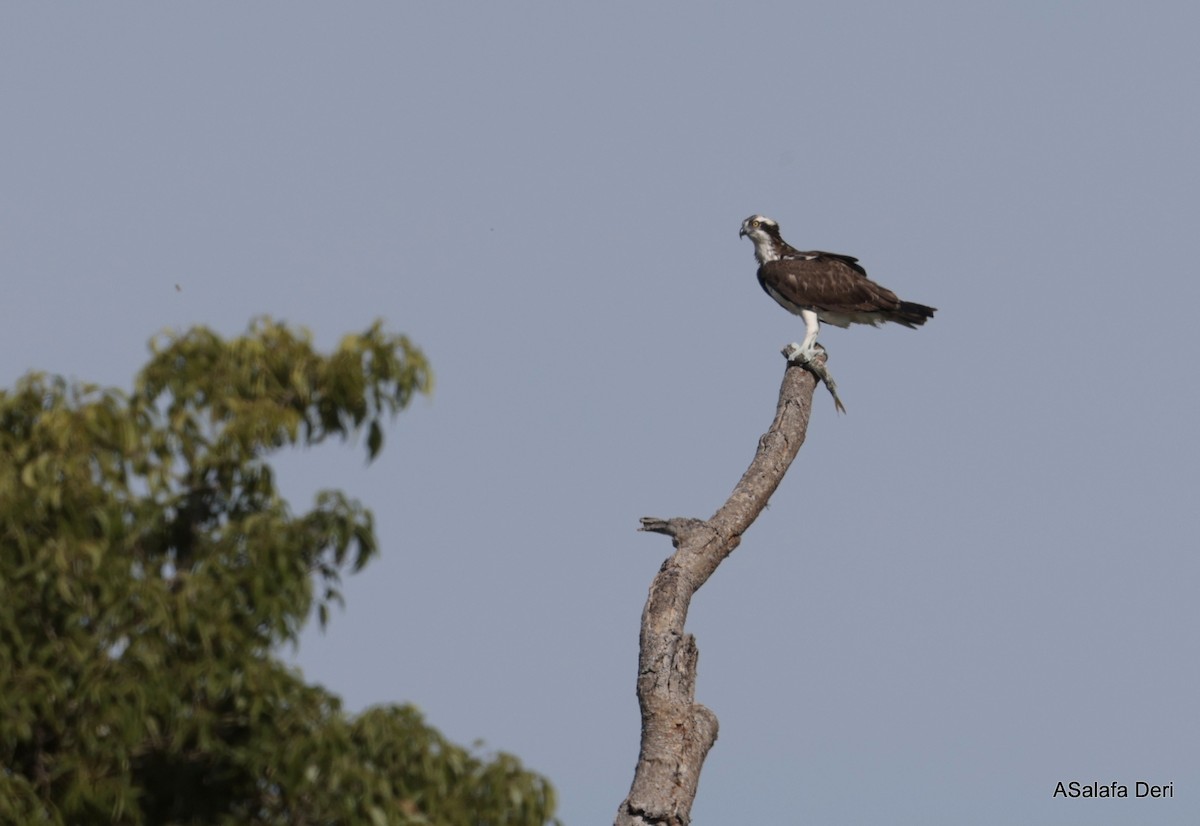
(677, 732)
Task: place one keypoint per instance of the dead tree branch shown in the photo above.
(677, 732)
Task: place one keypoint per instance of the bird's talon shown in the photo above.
(794, 353)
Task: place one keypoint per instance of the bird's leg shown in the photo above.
(795, 353)
(808, 347)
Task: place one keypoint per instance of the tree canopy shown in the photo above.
(148, 570)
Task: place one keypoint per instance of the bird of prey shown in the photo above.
(823, 286)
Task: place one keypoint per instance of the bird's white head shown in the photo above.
(764, 233)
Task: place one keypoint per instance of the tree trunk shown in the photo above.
(677, 732)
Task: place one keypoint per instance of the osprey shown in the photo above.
(823, 286)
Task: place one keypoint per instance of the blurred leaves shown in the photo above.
(148, 568)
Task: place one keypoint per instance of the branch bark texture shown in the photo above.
(677, 732)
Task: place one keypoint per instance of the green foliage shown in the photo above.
(148, 568)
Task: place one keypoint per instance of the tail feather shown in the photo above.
(911, 314)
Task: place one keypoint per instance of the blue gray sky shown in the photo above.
(978, 583)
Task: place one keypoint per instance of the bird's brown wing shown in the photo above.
(825, 281)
